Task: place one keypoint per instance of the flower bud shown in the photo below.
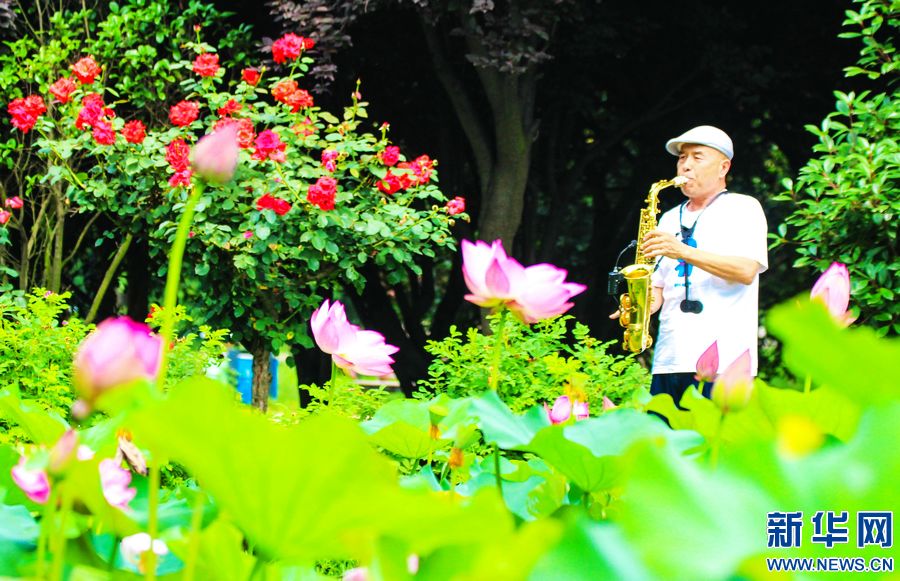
(708, 364)
(733, 388)
(115, 480)
(117, 352)
(4, 217)
(14, 202)
(33, 482)
(608, 404)
(215, 156)
(833, 289)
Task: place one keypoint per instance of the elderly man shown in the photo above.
(713, 249)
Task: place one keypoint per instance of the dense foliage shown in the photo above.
(845, 203)
(538, 365)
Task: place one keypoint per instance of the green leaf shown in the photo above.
(402, 427)
(500, 426)
(816, 346)
(43, 427)
(312, 491)
(590, 551)
(680, 517)
(589, 452)
(18, 538)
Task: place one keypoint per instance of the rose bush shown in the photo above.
(306, 209)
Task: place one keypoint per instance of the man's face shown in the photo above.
(705, 169)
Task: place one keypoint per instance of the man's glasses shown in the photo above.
(687, 305)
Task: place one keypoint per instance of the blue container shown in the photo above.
(242, 364)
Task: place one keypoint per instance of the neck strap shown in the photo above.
(688, 232)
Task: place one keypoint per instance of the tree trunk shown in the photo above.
(262, 378)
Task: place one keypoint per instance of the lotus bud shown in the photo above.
(117, 352)
(115, 480)
(215, 156)
(833, 289)
(561, 410)
(608, 404)
(708, 364)
(733, 388)
(33, 482)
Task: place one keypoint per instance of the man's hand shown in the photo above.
(659, 243)
(616, 314)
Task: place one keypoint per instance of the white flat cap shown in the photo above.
(703, 135)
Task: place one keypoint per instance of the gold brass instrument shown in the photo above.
(634, 306)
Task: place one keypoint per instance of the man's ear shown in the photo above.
(723, 169)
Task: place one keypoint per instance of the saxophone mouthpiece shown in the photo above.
(679, 181)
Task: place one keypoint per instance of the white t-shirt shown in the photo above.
(732, 225)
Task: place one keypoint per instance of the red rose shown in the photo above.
(245, 132)
(134, 132)
(181, 178)
(92, 110)
(14, 203)
(269, 146)
(299, 99)
(269, 202)
(25, 111)
(184, 113)
(230, 106)
(206, 64)
(103, 133)
(308, 43)
(63, 89)
(456, 206)
(390, 184)
(250, 76)
(86, 70)
(390, 155)
(283, 90)
(319, 197)
(328, 185)
(4, 217)
(288, 47)
(178, 154)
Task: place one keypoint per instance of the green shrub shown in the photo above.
(539, 364)
(37, 342)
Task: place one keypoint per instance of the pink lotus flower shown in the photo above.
(117, 352)
(833, 289)
(708, 363)
(34, 483)
(533, 294)
(115, 480)
(351, 348)
(215, 156)
(733, 388)
(563, 409)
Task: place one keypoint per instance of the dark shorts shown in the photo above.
(675, 384)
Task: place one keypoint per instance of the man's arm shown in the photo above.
(730, 268)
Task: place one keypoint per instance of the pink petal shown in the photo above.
(708, 363)
(833, 289)
(561, 411)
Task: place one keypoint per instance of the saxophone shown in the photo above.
(634, 306)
